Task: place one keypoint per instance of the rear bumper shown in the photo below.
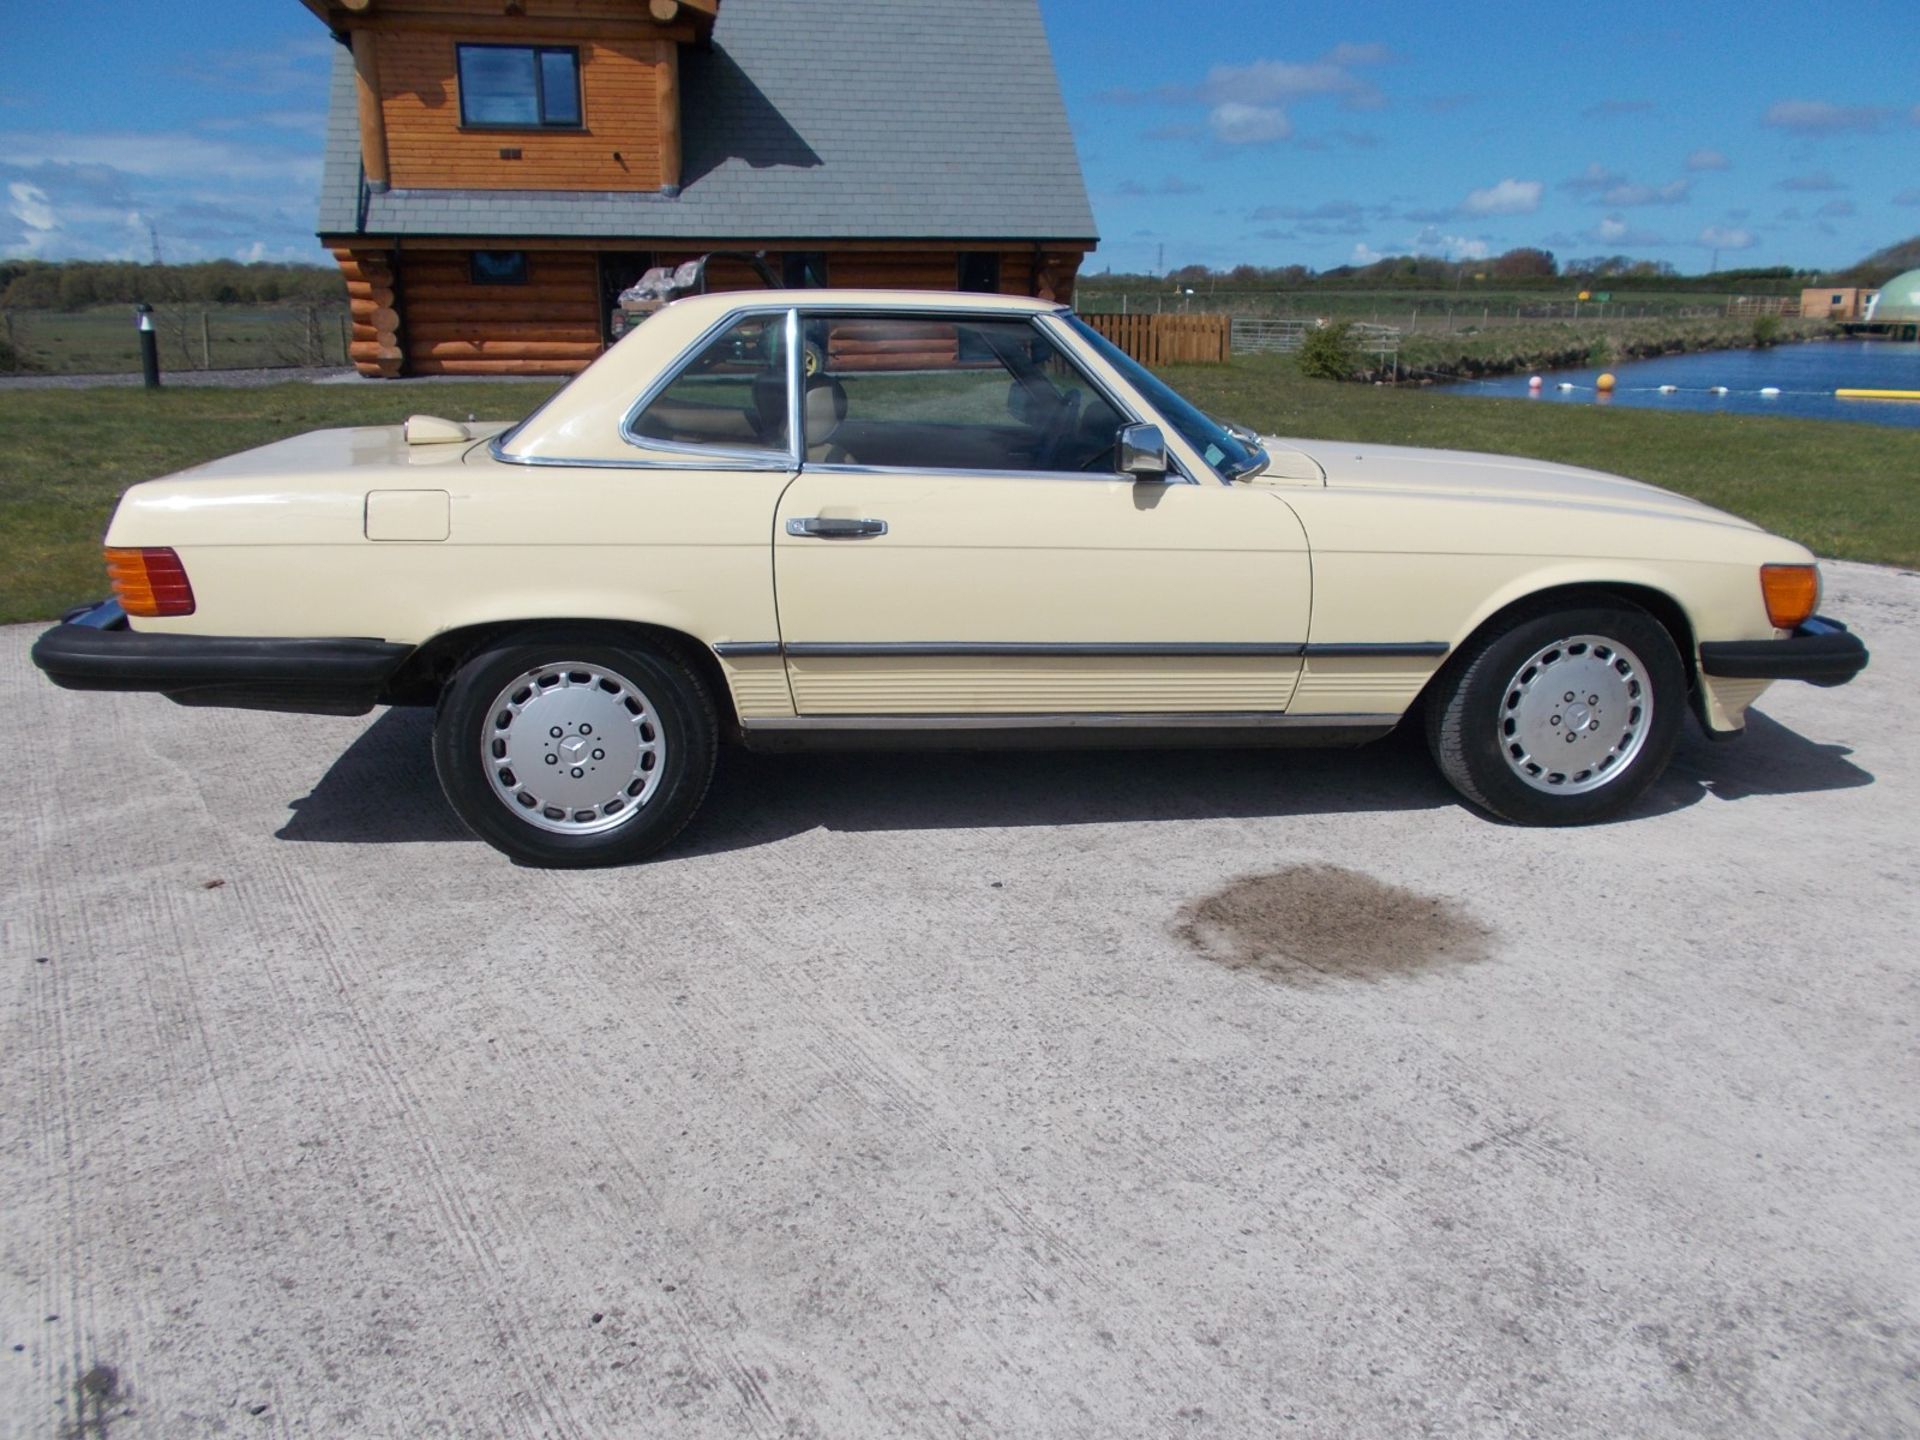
(1821, 652)
(93, 649)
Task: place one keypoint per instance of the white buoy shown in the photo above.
(1769, 389)
(1716, 389)
(1566, 385)
(1669, 389)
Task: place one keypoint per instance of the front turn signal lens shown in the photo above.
(149, 582)
(1792, 593)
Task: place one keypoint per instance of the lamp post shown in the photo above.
(149, 345)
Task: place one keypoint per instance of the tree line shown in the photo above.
(77, 284)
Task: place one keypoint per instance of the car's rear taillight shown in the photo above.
(150, 582)
(1792, 593)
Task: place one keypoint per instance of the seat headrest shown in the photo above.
(826, 407)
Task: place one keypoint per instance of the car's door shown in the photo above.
(958, 542)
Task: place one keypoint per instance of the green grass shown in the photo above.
(1851, 491)
(65, 456)
(1844, 490)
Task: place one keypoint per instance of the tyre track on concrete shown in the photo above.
(462, 1213)
(1048, 1257)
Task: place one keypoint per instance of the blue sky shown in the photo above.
(1228, 132)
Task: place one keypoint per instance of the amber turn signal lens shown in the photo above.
(1792, 593)
(149, 582)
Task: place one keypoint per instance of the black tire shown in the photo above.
(1499, 679)
(661, 702)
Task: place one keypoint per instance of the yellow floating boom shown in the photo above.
(1877, 394)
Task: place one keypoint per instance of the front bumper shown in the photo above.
(1821, 652)
(94, 649)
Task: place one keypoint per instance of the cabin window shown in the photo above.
(803, 270)
(520, 87)
(980, 271)
(497, 267)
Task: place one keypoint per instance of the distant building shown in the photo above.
(1837, 302)
(1897, 303)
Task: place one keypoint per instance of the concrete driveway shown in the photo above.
(936, 1096)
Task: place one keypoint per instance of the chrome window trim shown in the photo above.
(694, 349)
(762, 462)
(822, 467)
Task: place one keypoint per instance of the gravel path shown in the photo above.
(1209, 1094)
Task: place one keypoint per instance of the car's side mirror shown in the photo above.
(1142, 452)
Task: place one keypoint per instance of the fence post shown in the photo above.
(206, 344)
(346, 340)
(313, 340)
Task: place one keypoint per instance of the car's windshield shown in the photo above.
(1228, 454)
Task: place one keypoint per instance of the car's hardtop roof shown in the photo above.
(722, 301)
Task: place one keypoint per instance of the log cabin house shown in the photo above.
(498, 171)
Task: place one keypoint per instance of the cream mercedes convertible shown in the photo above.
(795, 517)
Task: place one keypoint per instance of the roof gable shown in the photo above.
(855, 119)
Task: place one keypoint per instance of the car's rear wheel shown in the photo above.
(568, 751)
(1562, 717)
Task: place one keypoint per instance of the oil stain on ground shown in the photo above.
(1310, 923)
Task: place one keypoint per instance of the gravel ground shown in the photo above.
(1204, 1094)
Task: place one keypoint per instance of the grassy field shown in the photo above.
(1850, 491)
(103, 340)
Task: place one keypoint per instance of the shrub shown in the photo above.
(1766, 330)
(1329, 353)
(13, 359)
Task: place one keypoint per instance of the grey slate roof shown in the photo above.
(807, 119)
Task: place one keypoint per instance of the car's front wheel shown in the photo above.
(570, 751)
(1561, 718)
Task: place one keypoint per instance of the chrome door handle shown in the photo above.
(831, 527)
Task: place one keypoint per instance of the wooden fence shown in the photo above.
(1168, 339)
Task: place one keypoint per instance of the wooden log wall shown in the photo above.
(548, 326)
(419, 310)
(373, 307)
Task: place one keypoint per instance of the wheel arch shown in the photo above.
(1661, 605)
(425, 673)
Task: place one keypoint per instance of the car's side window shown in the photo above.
(962, 394)
(730, 396)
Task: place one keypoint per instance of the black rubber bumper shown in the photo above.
(94, 649)
(1821, 652)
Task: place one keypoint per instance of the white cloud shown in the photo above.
(1708, 160)
(1718, 237)
(1823, 117)
(1611, 229)
(1364, 254)
(29, 205)
(1509, 197)
(1235, 123)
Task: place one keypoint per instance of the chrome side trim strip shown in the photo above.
(1341, 650)
(762, 462)
(737, 649)
(810, 649)
(1130, 720)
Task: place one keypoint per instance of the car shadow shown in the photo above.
(382, 788)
